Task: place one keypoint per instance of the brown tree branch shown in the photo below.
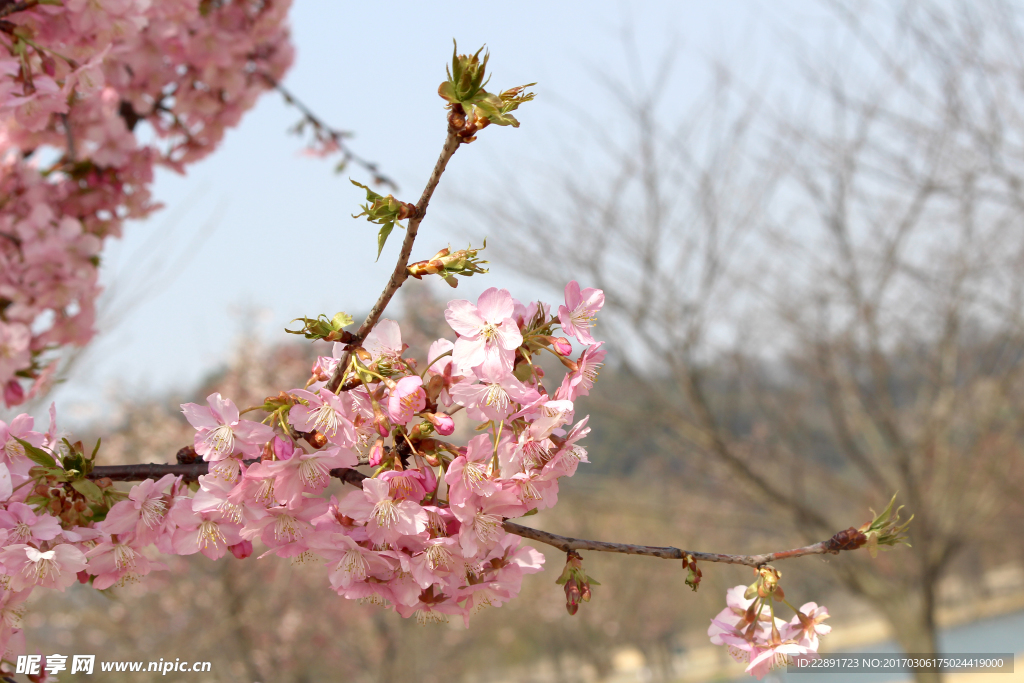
(8, 7)
(190, 471)
(851, 539)
(451, 143)
(839, 542)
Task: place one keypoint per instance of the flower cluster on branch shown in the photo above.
(78, 83)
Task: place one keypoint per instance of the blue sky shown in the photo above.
(258, 234)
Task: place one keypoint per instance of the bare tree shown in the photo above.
(825, 295)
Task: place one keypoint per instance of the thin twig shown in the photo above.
(567, 544)
(8, 9)
(336, 136)
(451, 143)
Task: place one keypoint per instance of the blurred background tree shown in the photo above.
(824, 291)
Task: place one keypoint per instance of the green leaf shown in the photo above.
(382, 237)
(341, 319)
(37, 501)
(89, 489)
(36, 455)
(370, 194)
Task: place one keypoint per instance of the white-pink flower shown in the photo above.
(307, 472)
(494, 397)
(470, 473)
(144, 511)
(220, 431)
(19, 428)
(327, 413)
(488, 335)
(25, 526)
(806, 626)
(406, 399)
(384, 342)
(54, 568)
(386, 519)
(118, 564)
(580, 310)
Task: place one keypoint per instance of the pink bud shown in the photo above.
(241, 550)
(377, 452)
(284, 450)
(83, 576)
(13, 393)
(443, 422)
(561, 345)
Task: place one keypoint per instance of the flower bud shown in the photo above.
(377, 452)
(13, 393)
(443, 422)
(241, 550)
(572, 596)
(561, 345)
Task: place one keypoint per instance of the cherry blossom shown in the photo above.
(487, 333)
(580, 310)
(54, 568)
(220, 431)
(325, 412)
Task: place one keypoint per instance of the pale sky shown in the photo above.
(259, 228)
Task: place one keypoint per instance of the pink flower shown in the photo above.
(569, 455)
(482, 518)
(409, 484)
(442, 370)
(439, 561)
(144, 511)
(116, 563)
(470, 473)
(494, 397)
(733, 615)
(287, 530)
(386, 519)
(487, 333)
(772, 656)
(307, 472)
(26, 526)
(384, 342)
(54, 568)
(350, 562)
(20, 428)
(806, 626)
(206, 532)
(220, 432)
(223, 498)
(580, 382)
(326, 413)
(406, 399)
(578, 313)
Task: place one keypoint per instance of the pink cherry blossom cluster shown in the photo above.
(755, 636)
(423, 535)
(79, 78)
